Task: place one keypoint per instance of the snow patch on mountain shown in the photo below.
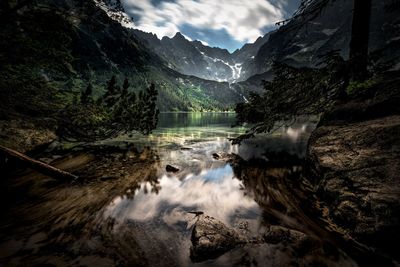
(236, 69)
(115, 12)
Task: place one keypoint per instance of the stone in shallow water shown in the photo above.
(170, 168)
(216, 156)
(299, 241)
(276, 234)
(211, 238)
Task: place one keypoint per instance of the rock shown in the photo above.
(170, 168)
(231, 158)
(276, 234)
(299, 241)
(216, 156)
(354, 166)
(211, 238)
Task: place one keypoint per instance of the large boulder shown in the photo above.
(354, 164)
(212, 238)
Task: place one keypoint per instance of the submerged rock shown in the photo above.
(170, 168)
(211, 238)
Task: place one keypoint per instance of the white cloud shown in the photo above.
(243, 20)
(221, 198)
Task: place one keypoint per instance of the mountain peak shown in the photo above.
(179, 35)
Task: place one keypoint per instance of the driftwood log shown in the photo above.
(38, 165)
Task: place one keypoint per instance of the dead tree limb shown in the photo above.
(38, 165)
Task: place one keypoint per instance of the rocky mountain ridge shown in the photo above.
(309, 35)
(195, 58)
(191, 57)
(92, 48)
(295, 43)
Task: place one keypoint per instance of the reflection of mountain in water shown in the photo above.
(255, 188)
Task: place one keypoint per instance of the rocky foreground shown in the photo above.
(354, 166)
(212, 238)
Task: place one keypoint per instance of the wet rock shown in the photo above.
(211, 238)
(299, 241)
(170, 168)
(276, 234)
(216, 156)
(229, 158)
(354, 166)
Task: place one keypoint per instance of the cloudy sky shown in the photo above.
(222, 23)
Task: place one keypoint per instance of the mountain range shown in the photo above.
(71, 43)
(195, 58)
(295, 43)
(97, 41)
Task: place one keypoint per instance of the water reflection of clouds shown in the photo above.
(202, 184)
(214, 192)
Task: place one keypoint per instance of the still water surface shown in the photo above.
(188, 140)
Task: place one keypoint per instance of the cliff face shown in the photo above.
(354, 164)
(301, 41)
(195, 58)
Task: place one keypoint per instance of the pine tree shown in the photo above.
(149, 109)
(118, 111)
(132, 98)
(111, 86)
(123, 108)
(75, 100)
(125, 87)
(86, 96)
(111, 96)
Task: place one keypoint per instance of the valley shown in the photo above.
(199, 133)
(298, 46)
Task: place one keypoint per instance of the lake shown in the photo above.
(188, 142)
(128, 210)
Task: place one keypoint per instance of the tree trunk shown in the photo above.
(359, 40)
(38, 165)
